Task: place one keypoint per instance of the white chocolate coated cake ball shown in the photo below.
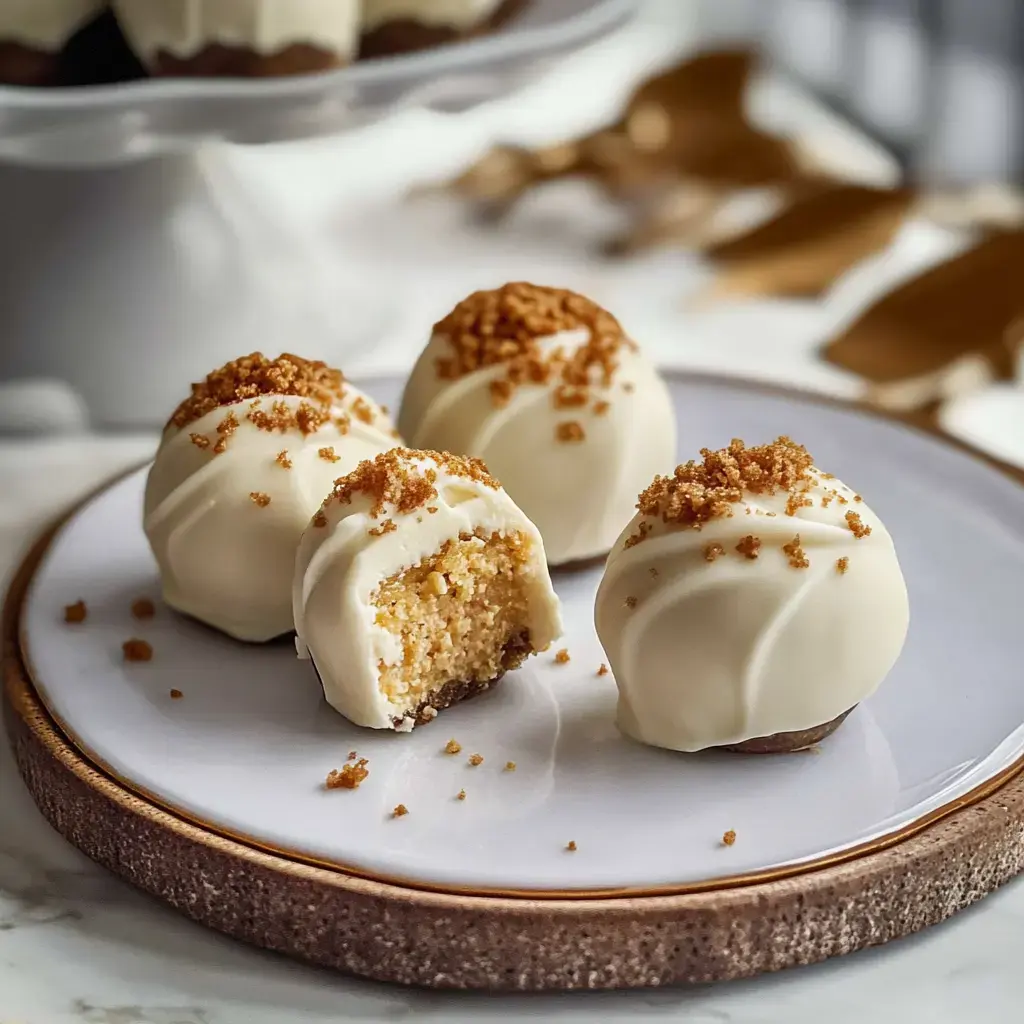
(242, 465)
(417, 585)
(546, 388)
(752, 602)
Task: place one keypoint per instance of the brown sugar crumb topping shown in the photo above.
(362, 410)
(255, 375)
(453, 747)
(501, 392)
(631, 603)
(510, 766)
(319, 520)
(642, 530)
(701, 491)
(571, 846)
(602, 407)
(842, 564)
(400, 811)
(797, 502)
(352, 755)
(260, 498)
(749, 546)
(228, 425)
(569, 396)
(857, 497)
(504, 327)
(388, 526)
(221, 446)
(570, 432)
(176, 695)
(857, 528)
(143, 608)
(307, 418)
(826, 500)
(603, 670)
(797, 556)
(461, 795)
(729, 838)
(351, 775)
(137, 650)
(562, 657)
(713, 551)
(283, 460)
(328, 455)
(393, 478)
(75, 613)
(201, 441)
(476, 760)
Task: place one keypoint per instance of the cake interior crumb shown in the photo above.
(562, 657)
(472, 630)
(476, 760)
(453, 747)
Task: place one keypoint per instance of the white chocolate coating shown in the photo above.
(580, 494)
(340, 565)
(223, 559)
(458, 14)
(724, 651)
(45, 24)
(185, 27)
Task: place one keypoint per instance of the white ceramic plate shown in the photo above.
(246, 750)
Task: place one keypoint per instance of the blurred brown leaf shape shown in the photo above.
(686, 127)
(953, 328)
(805, 248)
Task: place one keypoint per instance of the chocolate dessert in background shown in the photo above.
(413, 25)
(99, 55)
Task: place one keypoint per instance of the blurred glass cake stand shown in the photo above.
(131, 251)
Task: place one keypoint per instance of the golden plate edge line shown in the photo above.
(39, 549)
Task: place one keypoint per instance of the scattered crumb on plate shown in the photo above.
(75, 613)
(137, 650)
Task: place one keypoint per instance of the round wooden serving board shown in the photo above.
(455, 940)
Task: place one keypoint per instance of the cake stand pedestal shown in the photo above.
(130, 248)
(113, 272)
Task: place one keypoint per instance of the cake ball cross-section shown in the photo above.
(243, 464)
(546, 387)
(751, 604)
(419, 583)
